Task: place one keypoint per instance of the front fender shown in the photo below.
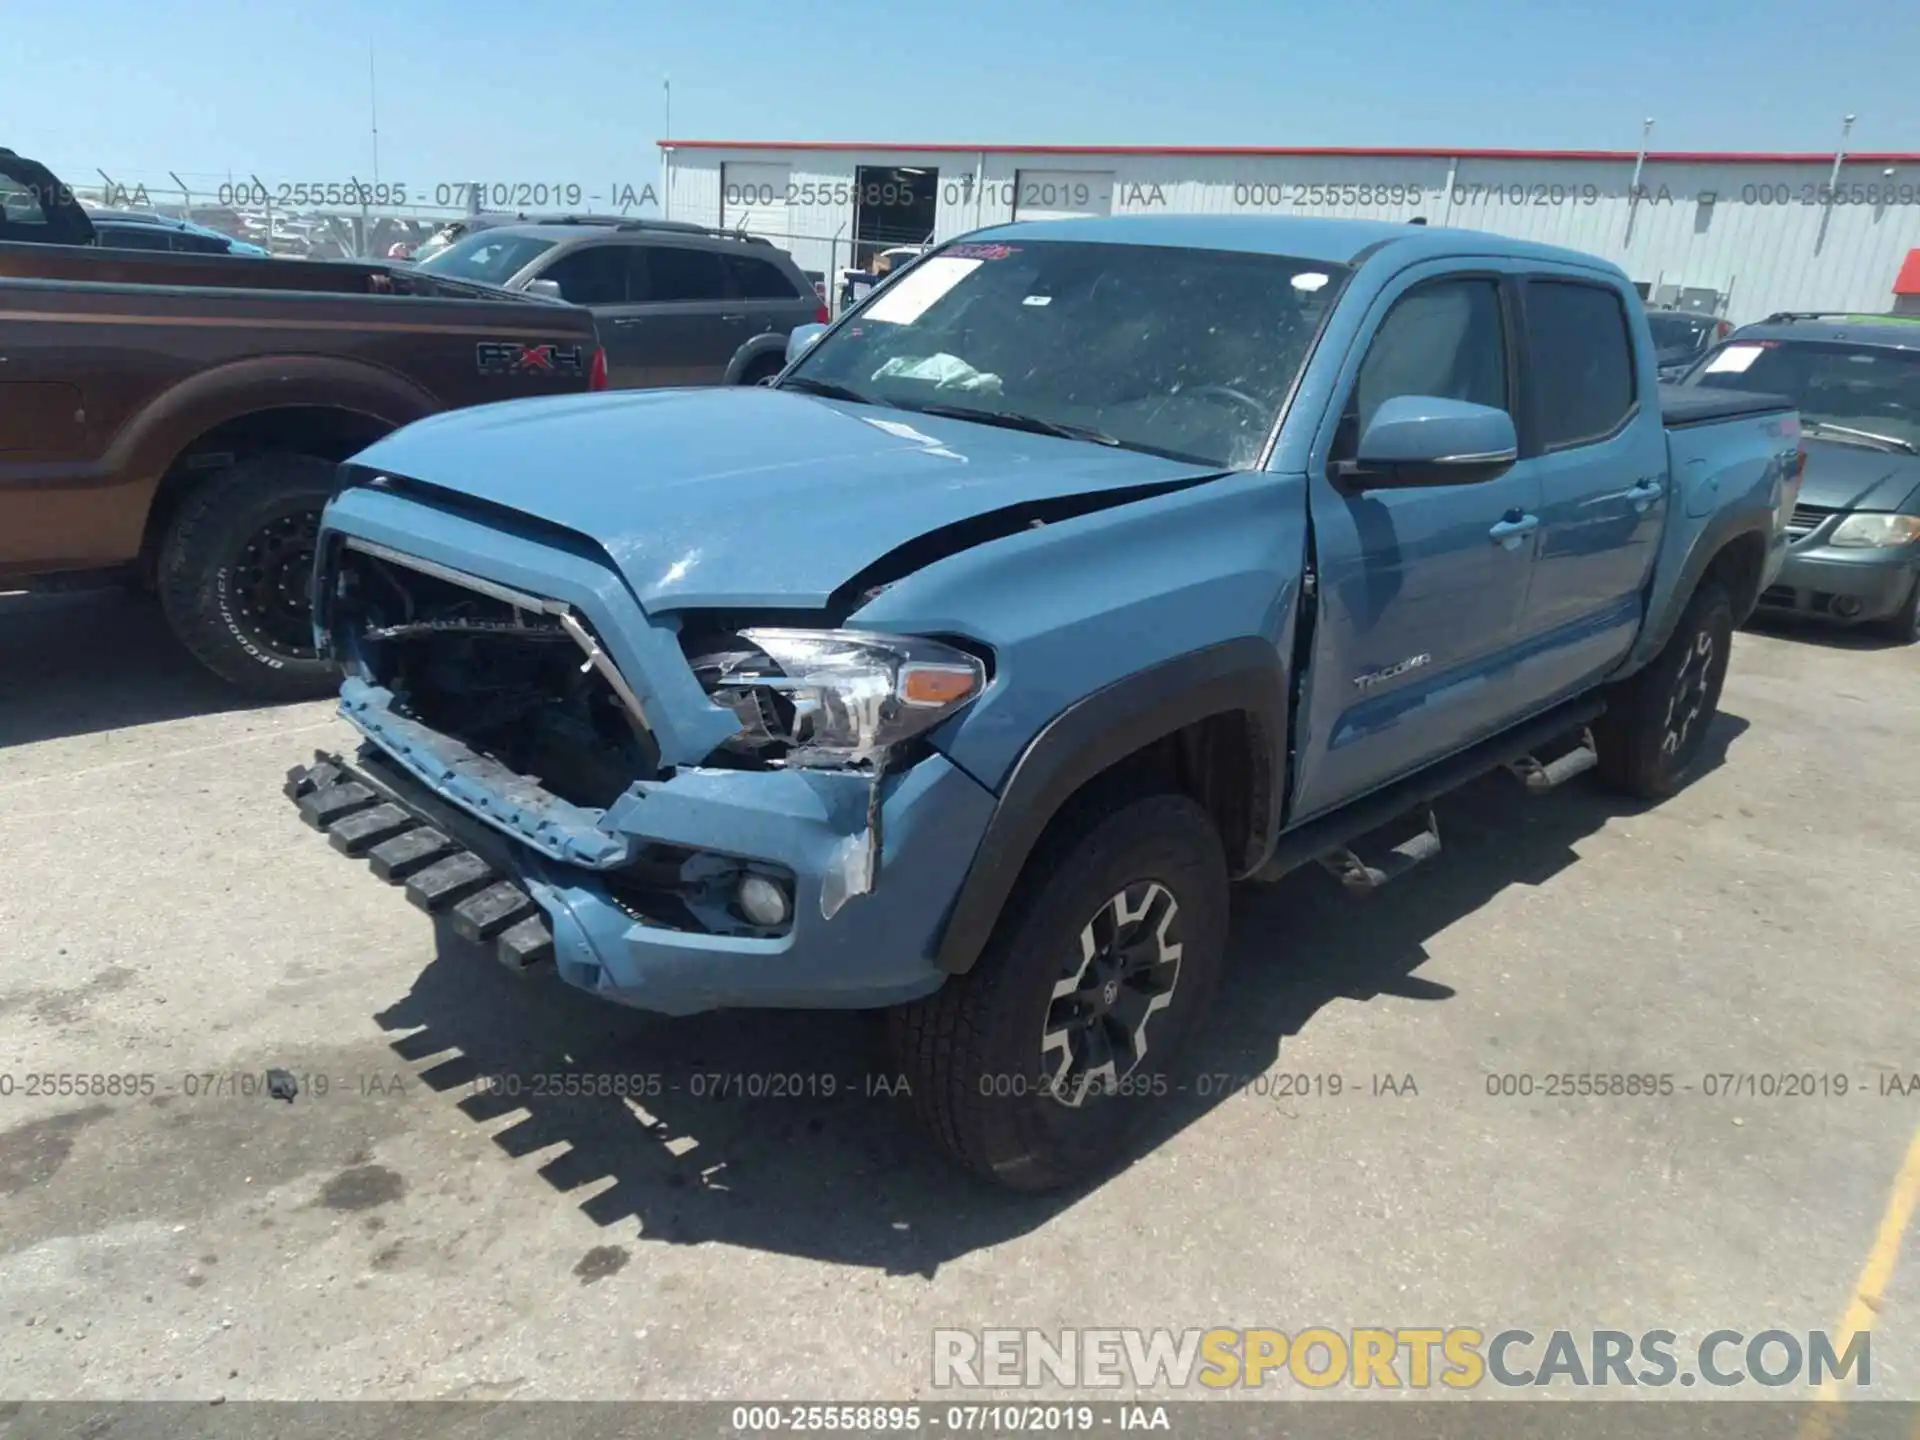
(1099, 732)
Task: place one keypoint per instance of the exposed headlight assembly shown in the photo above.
(832, 699)
(1869, 531)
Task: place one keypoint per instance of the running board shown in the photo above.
(1363, 878)
(1539, 778)
(1329, 833)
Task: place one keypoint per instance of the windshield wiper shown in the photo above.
(828, 389)
(1823, 427)
(1012, 420)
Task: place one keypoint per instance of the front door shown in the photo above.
(596, 276)
(1420, 590)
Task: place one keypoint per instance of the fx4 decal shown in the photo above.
(504, 357)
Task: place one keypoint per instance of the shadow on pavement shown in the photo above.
(711, 1143)
(82, 661)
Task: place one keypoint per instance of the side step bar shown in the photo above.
(1325, 837)
(1539, 778)
(362, 818)
(1363, 878)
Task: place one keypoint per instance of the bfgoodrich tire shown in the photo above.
(1032, 1068)
(1657, 720)
(236, 574)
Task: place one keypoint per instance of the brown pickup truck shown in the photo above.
(178, 419)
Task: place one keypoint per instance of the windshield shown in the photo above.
(1175, 351)
(489, 256)
(1680, 333)
(1869, 388)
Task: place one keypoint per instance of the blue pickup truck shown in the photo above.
(1087, 568)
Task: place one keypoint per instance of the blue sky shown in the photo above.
(572, 93)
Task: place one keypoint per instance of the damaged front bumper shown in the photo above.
(620, 941)
(637, 890)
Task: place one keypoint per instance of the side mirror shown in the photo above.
(800, 338)
(549, 288)
(1417, 440)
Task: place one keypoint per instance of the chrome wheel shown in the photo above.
(1104, 1001)
(1689, 696)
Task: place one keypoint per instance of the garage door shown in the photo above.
(1062, 194)
(753, 197)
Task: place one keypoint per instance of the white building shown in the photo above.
(1741, 235)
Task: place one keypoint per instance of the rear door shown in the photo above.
(1420, 590)
(691, 326)
(1591, 409)
(767, 301)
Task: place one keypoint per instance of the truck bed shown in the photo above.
(87, 265)
(1682, 406)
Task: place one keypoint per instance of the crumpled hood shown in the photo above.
(1844, 476)
(747, 496)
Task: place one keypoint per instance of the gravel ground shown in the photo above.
(408, 1234)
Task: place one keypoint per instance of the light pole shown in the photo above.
(1833, 179)
(666, 152)
(1633, 186)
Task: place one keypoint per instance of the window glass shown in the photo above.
(19, 205)
(595, 275)
(677, 273)
(134, 237)
(487, 256)
(200, 244)
(1442, 339)
(757, 280)
(1580, 360)
(1176, 351)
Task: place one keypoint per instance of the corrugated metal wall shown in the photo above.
(1763, 234)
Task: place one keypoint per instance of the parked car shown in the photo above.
(131, 230)
(177, 419)
(1088, 567)
(1680, 337)
(676, 304)
(1854, 551)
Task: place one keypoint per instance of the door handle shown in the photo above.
(1644, 492)
(1509, 533)
(626, 320)
(733, 319)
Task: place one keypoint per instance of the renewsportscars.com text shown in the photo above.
(1455, 1358)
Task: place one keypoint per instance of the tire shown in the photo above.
(1034, 1114)
(1903, 626)
(763, 369)
(236, 570)
(1657, 720)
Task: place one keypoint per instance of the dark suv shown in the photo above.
(676, 303)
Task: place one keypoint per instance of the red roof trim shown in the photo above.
(1726, 157)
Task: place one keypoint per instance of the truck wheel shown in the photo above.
(762, 370)
(236, 574)
(1032, 1067)
(1657, 720)
(1903, 626)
